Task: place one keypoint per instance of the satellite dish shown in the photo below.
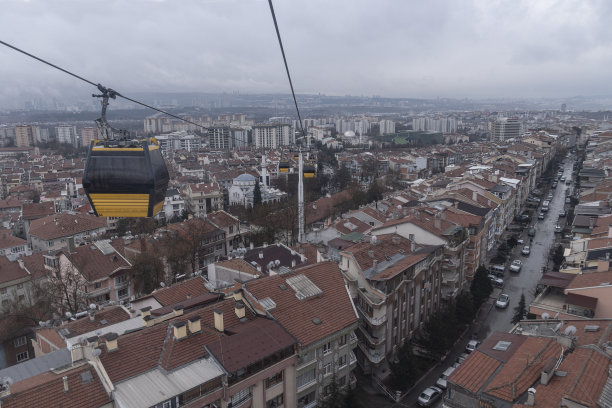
(96, 352)
(68, 315)
(545, 316)
(277, 262)
(93, 306)
(570, 330)
(162, 284)
(558, 327)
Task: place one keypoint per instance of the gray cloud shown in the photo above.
(479, 48)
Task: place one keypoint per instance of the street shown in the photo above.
(492, 319)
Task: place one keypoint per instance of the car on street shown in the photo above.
(499, 282)
(516, 265)
(520, 241)
(562, 214)
(563, 179)
(568, 200)
(526, 250)
(531, 232)
(429, 396)
(502, 301)
(558, 228)
(568, 182)
(541, 216)
(471, 346)
(462, 357)
(554, 185)
(550, 197)
(441, 382)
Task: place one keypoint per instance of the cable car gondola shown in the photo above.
(283, 167)
(308, 171)
(124, 177)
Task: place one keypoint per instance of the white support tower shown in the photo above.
(301, 237)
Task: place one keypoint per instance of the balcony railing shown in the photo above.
(353, 338)
(352, 358)
(372, 355)
(301, 386)
(373, 340)
(375, 321)
(98, 292)
(306, 360)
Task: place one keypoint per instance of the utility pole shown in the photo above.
(301, 237)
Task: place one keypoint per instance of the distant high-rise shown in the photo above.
(26, 135)
(272, 136)
(66, 134)
(87, 135)
(219, 137)
(505, 128)
(386, 127)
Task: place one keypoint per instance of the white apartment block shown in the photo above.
(386, 127)
(272, 136)
(66, 134)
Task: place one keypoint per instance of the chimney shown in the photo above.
(194, 325)
(474, 196)
(20, 262)
(219, 320)
(396, 240)
(111, 341)
(148, 321)
(65, 380)
(92, 341)
(437, 222)
(374, 264)
(265, 244)
(239, 310)
(260, 254)
(371, 254)
(92, 315)
(252, 245)
(180, 330)
(531, 397)
(412, 246)
(76, 353)
(178, 310)
(293, 263)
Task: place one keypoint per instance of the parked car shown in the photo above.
(526, 250)
(531, 232)
(562, 214)
(563, 179)
(550, 197)
(568, 200)
(558, 228)
(462, 357)
(502, 301)
(516, 265)
(497, 270)
(471, 346)
(568, 182)
(520, 241)
(499, 282)
(429, 396)
(554, 185)
(441, 382)
(541, 216)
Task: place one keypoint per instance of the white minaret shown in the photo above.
(264, 171)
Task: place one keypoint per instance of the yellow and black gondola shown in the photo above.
(308, 171)
(283, 167)
(125, 178)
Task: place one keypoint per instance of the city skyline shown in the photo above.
(440, 49)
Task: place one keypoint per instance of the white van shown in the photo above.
(441, 382)
(545, 205)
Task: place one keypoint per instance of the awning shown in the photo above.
(580, 300)
(557, 279)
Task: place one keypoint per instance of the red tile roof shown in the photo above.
(333, 307)
(37, 210)
(475, 371)
(85, 324)
(590, 279)
(10, 271)
(65, 225)
(95, 265)
(180, 292)
(47, 390)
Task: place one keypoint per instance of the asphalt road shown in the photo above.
(492, 319)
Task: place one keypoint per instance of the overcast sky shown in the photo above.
(394, 48)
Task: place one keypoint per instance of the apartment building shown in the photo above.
(272, 136)
(396, 286)
(312, 304)
(56, 232)
(202, 198)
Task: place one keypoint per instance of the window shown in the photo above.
(231, 229)
(20, 286)
(327, 348)
(327, 369)
(21, 298)
(5, 303)
(50, 243)
(342, 381)
(20, 341)
(220, 246)
(306, 399)
(23, 356)
(121, 279)
(122, 293)
(275, 402)
(167, 404)
(97, 285)
(275, 379)
(342, 361)
(342, 340)
(241, 396)
(3, 290)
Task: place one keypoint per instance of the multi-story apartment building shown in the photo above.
(313, 305)
(87, 135)
(219, 138)
(66, 134)
(179, 140)
(503, 129)
(202, 198)
(396, 286)
(26, 135)
(174, 206)
(206, 242)
(272, 136)
(231, 226)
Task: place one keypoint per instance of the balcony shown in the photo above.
(373, 355)
(353, 338)
(304, 385)
(373, 340)
(306, 360)
(352, 359)
(312, 404)
(373, 320)
(98, 292)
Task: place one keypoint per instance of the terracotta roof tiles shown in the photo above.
(181, 291)
(64, 225)
(475, 371)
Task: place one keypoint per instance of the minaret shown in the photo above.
(264, 171)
